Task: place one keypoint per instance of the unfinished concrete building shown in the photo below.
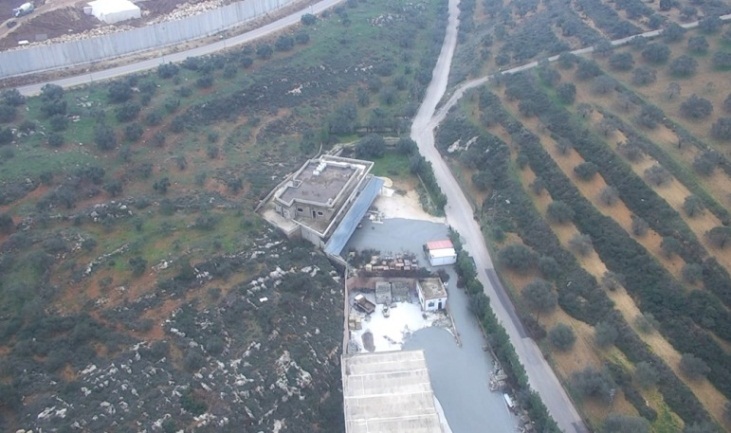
(324, 201)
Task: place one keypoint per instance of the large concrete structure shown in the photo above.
(389, 392)
(324, 201)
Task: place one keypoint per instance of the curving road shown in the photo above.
(268, 29)
(460, 216)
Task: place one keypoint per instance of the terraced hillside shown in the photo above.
(602, 184)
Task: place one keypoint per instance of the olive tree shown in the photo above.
(593, 383)
(693, 367)
(605, 334)
(618, 423)
(559, 212)
(693, 206)
(562, 337)
(539, 296)
(646, 375)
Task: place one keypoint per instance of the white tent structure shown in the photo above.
(114, 11)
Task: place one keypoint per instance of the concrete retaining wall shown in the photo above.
(61, 55)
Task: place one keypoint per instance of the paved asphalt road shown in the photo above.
(273, 27)
(460, 216)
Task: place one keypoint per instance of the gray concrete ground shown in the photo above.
(459, 375)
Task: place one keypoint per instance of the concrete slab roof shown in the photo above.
(323, 181)
(389, 392)
(432, 288)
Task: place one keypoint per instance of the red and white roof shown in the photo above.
(439, 245)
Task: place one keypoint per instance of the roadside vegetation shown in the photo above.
(131, 257)
(602, 185)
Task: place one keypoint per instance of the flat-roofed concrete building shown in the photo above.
(389, 392)
(324, 200)
(432, 294)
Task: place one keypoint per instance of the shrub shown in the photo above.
(692, 273)
(12, 97)
(566, 93)
(127, 112)
(670, 246)
(696, 108)
(549, 267)
(621, 61)
(308, 19)
(559, 212)
(284, 43)
(646, 323)
(608, 196)
(7, 113)
(104, 137)
(693, 206)
(705, 163)
(539, 296)
(562, 337)
(698, 44)
(167, 70)
(618, 423)
(371, 146)
(605, 334)
(684, 66)
(719, 236)
(264, 51)
(55, 139)
(119, 91)
(204, 81)
(693, 367)
(517, 257)
(721, 129)
(721, 60)
(593, 383)
(657, 175)
(153, 118)
(586, 171)
(643, 76)
(645, 374)
(133, 132)
(581, 244)
(656, 53)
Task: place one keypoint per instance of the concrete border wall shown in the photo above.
(65, 54)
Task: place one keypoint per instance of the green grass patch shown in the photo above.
(393, 165)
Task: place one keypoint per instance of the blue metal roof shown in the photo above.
(353, 217)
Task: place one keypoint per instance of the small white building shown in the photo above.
(432, 294)
(114, 11)
(441, 253)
